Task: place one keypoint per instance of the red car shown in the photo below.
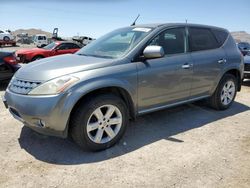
(55, 48)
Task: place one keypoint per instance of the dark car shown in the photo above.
(8, 65)
(247, 67)
(244, 47)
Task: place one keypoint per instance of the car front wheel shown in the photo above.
(99, 123)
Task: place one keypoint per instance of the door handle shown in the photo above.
(222, 61)
(187, 66)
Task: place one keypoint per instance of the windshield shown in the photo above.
(115, 44)
(50, 46)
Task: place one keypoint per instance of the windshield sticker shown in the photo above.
(142, 29)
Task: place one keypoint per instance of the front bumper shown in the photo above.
(21, 58)
(246, 74)
(44, 114)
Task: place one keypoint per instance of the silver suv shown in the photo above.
(92, 94)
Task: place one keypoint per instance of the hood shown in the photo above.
(31, 50)
(52, 67)
(5, 53)
(247, 59)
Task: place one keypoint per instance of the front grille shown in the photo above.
(21, 58)
(22, 86)
(247, 67)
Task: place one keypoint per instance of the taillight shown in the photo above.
(11, 60)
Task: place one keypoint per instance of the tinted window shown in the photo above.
(202, 39)
(244, 45)
(220, 35)
(63, 46)
(66, 46)
(172, 41)
(72, 46)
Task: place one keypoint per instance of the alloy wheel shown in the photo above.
(228, 92)
(104, 124)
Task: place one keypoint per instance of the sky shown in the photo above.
(94, 18)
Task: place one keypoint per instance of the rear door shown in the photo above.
(208, 57)
(165, 80)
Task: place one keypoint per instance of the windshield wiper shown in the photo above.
(100, 56)
(82, 54)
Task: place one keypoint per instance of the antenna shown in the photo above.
(135, 20)
(186, 21)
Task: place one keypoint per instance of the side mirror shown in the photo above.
(151, 52)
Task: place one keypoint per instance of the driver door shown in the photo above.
(167, 80)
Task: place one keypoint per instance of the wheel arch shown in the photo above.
(237, 75)
(116, 90)
(233, 71)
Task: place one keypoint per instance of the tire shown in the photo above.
(224, 94)
(86, 114)
(6, 38)
(37, 58)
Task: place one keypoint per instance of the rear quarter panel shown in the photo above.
(234, 60)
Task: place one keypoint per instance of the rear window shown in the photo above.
(220, 35)
(202, 39)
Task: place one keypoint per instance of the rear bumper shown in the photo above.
(41, 113)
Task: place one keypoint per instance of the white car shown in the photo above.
(6, 36)
(40, 40)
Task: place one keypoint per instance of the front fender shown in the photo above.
(73, 95)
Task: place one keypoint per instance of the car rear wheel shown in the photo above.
(225, 93)
(99, 123)
(6, 38)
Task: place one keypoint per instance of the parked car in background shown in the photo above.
(244, 47)
(6, 36)
(247, 66)
(8, 65)
(83, 40)
(131, 71)
(52, 49)
(40, 40)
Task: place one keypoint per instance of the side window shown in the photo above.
(171, 40)
(220, 35)
(72, 46)
(61, 47)
(66, 46)
(202, 39)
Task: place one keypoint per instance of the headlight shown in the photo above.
(54, 86)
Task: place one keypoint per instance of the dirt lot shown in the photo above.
(187, 146)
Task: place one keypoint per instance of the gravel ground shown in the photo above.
(187, 146)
